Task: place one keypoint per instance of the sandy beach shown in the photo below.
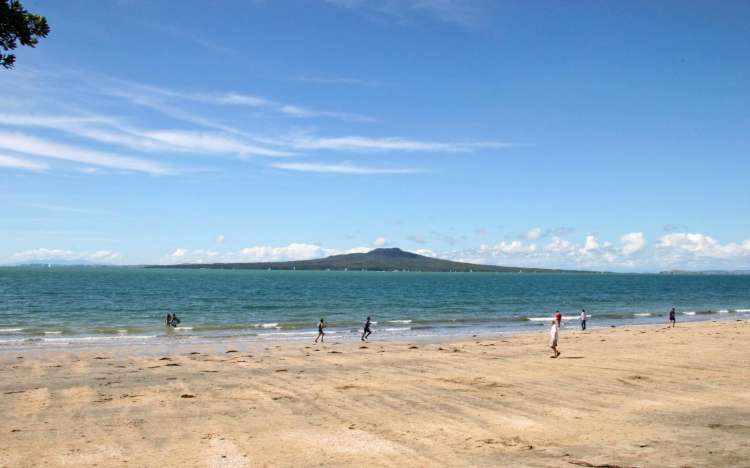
(626, 396)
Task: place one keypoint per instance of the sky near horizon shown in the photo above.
(586, 134)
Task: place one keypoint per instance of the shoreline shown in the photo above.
(402, 331)
(626, 396)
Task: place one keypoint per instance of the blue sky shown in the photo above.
(587, 134)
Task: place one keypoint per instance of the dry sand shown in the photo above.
(630, 396)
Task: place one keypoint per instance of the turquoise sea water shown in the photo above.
(79, 305)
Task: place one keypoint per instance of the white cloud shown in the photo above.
(294, 251)
(57, 255)
(673, 251)
(632, 242)
(590, 245)
(18, 163)
(179, 253)
(426, 252)
(701, 245)
(220, 239)
(340, 168)
(558, 245)
(34, 146)
(534, 233)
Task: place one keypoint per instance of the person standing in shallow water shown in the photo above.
(583, 319)
(169, 319)
(366, 332)
(321, 333)
(672, 317)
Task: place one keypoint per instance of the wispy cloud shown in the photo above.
(360, 143)
(111, 131)
(461, 12)
(153, 96)
(189, 36)
(18, 163)
(211, 143)
(340, 168)
(201, 123)
(333, 80)
(62, 208)
(53, 255)
(21, 143)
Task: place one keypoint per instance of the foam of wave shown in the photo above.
(299, 333)
(84, 339)
(183, 328)
(399, 321)
(398, 329)
(52, 332)
(267, 325)
(742, 310)
(12, 341)
(550, 318)
(690, 312)
(644, 314)
(10, 330)
(723, 311)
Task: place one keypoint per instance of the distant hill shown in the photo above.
(393, 259)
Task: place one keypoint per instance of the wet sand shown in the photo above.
(626, 396)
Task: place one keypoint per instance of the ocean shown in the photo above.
(69, 306)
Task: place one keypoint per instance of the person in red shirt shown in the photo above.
(558, 317)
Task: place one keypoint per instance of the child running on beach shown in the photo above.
(672, 317)
(321, 333)
(366, 332)
(554, 334)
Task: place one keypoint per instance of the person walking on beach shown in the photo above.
(366, 332)
(583, 319)
(321, 333)
(672, 317)
(554, 334)
(558, 318)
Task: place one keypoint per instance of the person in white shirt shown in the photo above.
(554, 334)
(583, 319)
